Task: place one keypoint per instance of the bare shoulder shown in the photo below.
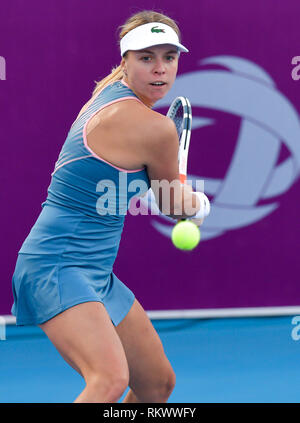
(147, 126)
(149, 136)
(130, 110)
(155, 141)
(159, 127)
(158, 137)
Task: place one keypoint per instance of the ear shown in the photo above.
(123, 65)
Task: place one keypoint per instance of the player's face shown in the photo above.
(151, 72)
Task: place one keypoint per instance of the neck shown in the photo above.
(141, 97)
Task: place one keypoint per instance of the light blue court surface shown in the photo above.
(215, 360)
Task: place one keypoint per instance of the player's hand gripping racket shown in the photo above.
(180, 112)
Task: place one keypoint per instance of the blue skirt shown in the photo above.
(44, 286)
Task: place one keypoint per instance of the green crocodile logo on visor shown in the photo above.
(156, 29)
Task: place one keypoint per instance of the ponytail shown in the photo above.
(115, 75)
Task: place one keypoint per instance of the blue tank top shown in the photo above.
(83, 216)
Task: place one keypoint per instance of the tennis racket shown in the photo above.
(180, 112)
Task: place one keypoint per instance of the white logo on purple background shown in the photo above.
(268, 120)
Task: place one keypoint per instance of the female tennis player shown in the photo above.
(64, 280)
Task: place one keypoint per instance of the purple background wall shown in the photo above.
(54, 51)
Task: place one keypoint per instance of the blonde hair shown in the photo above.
(140, 18)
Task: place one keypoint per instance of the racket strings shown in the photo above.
(178, 120)
(181, 114)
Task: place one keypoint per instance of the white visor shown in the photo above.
(150, 34)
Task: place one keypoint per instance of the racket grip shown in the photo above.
(204, 206)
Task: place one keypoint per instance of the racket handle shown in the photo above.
(204, 206)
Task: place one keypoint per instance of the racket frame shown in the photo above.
(185, 136)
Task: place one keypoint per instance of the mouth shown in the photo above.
(158, 83)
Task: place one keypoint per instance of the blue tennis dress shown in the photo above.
(68, 256)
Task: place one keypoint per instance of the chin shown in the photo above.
(153, 101)
(159, 97)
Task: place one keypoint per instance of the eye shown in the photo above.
(146, 58)
(170, 58)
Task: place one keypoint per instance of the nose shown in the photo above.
(159, 67)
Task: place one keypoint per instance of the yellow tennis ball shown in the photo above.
(186, 235)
